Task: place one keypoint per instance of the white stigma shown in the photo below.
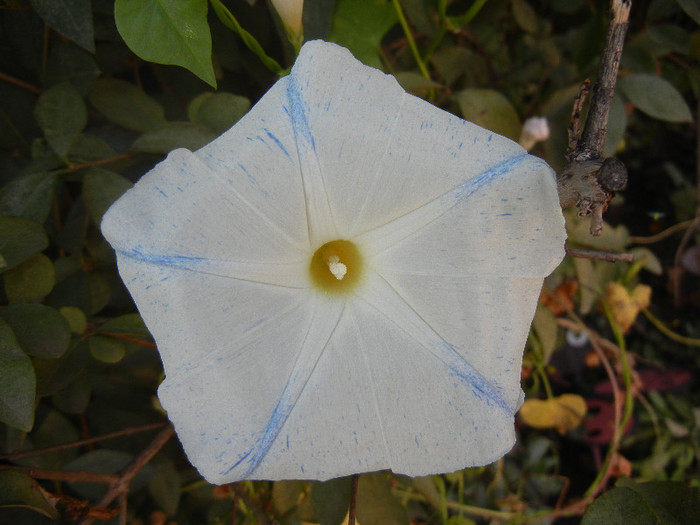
(337, 268)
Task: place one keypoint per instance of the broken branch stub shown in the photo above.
(589, 180)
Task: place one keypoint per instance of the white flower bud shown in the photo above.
(290, 12)
(535, 129)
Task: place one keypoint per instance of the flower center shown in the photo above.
(336, 267)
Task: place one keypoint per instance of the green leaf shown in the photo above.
(18, 489)
(174, 135)
(217, 111)
(415, 82)
(691, 8)
(617, 124)
(28, 196)
(100, 189)
(286, 498)
(174, 33)
(166, 487)
(62, 115)
(75, 318)
(588, 283)
(360, 26)
(491, 110)
(331, 500)
(52, 429)
(53, 375)
(451, 62)
(525, 16)
(30, 281)
(648, 260)
(40, 330)
(87, 148)
(69, 63)
(74, 399)
(71, 18)
(106, 349)
(129, 324)
(376, 505)
(656, 97)
(17, 382)
(546, 328)
(19, 240)
(612, 238)
(653, 503)
(109, 461)
(124, 104)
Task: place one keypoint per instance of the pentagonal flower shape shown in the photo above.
(342, 282)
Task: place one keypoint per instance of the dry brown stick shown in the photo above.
(71, 476)
(589, 180)
(694, 225)
(651, 239)
(353, 499)
(603, 256)
(20, 83)
(120, 487)
(125, 432)
(592, 141)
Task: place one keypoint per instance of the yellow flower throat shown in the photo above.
(336, 267)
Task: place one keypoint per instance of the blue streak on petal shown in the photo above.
(298, 112)
(172, 261)
(296, 383)
(277, 141)
(252, 179)
(481, 388)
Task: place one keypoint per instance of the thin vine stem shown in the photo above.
(411, 41)
(661, 327)
(628, 400)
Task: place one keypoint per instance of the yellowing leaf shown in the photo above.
(563, 413)
(626, 307)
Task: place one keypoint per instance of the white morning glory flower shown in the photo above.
(342, 282)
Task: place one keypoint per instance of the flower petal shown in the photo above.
(388, 392)
(195, 214)
(504, 222)
(374, 151)
(194, 316)
(230, 410)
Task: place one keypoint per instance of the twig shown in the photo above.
(13, 456)
(589, 180)
(668, 332)
(128, 339)
(694, 226)
(593, 138)
(651, 239)
(120, 487)
(574, 131)
(20, 83)
(71, 476)
(353, 499)
(603, 256)
(123, 156)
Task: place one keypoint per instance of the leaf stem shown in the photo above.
(668, 332)
(628, 404)
(409, 38)
(249, 40)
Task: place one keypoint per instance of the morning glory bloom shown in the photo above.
(342, 282)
